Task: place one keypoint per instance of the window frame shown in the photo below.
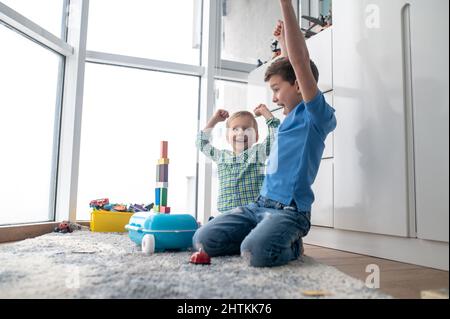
(33, 32)
(14, 20)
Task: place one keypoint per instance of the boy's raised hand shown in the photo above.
(263, 110)
(219, 116)
(278, 28)
(278, 33)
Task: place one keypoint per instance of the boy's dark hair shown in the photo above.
(283, 68)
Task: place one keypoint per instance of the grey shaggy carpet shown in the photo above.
(108, 265)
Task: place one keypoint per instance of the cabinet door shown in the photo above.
(429, 57)
(328, 151)
(320, 51)
(370, 163)
(322, 208)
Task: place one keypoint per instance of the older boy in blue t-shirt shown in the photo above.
(268, 232)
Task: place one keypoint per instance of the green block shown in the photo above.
(163, 198)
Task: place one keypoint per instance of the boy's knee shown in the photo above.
(257, 258)
(256, 254)
(263, 253)
(209, 240)
(200, 238)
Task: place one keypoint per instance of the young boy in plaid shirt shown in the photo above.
(241, 171)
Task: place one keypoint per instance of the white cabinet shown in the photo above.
(322, 208)
(389, 165)
(328, 151)
(370, 162)
(429, 57)
(390, 76)
(320, 51)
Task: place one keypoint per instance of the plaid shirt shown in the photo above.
(240, 175)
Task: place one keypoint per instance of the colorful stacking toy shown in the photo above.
(160, 231)
(162, 181)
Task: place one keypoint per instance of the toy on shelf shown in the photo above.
(276, 52)
(316, 24)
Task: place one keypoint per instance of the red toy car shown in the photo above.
(200, 258)
(63, 227)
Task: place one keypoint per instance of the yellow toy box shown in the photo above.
(106, 221)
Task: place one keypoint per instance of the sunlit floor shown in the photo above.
(397, 279)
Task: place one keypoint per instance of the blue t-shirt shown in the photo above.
(296, 154)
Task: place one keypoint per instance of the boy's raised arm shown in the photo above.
(263, 149)
(297, 52)
(203, 143)
(219, 116)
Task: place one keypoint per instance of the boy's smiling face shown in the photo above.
(285, 94)
(241, 133)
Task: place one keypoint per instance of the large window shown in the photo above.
(166, 30)
(126, 113)
(29, 104)
(46, 13)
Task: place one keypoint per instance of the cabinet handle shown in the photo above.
(409, 120)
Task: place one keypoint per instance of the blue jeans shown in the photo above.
(267, 233)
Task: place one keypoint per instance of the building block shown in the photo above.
(157, 196)
(164, 149)
(163, 198)
(163, 161)
(157, 174)
(163, 172)
(164, 209)
(162, 181)
(162, 185)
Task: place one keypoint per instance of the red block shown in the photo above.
(164, 148)
(164, 209)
